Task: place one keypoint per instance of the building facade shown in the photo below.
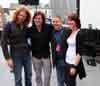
(63, 7)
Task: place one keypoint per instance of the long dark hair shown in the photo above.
(42, 15)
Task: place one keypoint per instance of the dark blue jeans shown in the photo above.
(22, 61)
(60, 68)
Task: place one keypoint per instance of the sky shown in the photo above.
(6, 3)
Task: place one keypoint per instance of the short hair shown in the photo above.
(75, 17)
(57, 16)
(28, 18)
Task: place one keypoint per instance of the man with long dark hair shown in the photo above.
(40, 38)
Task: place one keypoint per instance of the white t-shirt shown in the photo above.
(71, 51)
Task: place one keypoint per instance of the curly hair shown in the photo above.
(28, 17)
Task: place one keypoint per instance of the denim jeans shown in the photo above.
(22, 61)
(60, 69)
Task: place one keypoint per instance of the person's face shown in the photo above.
(38, 20)
(71, 24)
(56, 23)
(21, 16)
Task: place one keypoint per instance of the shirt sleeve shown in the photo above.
(5, 41)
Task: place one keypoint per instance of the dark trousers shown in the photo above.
(92, 51)
(22, 61)
(92, 54)
(60, 69)
(70, 80)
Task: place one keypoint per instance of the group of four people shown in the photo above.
(65, 48)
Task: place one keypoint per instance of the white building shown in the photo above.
(63, 7)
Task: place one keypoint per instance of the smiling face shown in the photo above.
(71, 24)
(56, 21)
(73, 21)
(38, 20)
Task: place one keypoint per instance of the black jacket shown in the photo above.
(64, 45)
(40, 41)
(79, 43)
(15, 37)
